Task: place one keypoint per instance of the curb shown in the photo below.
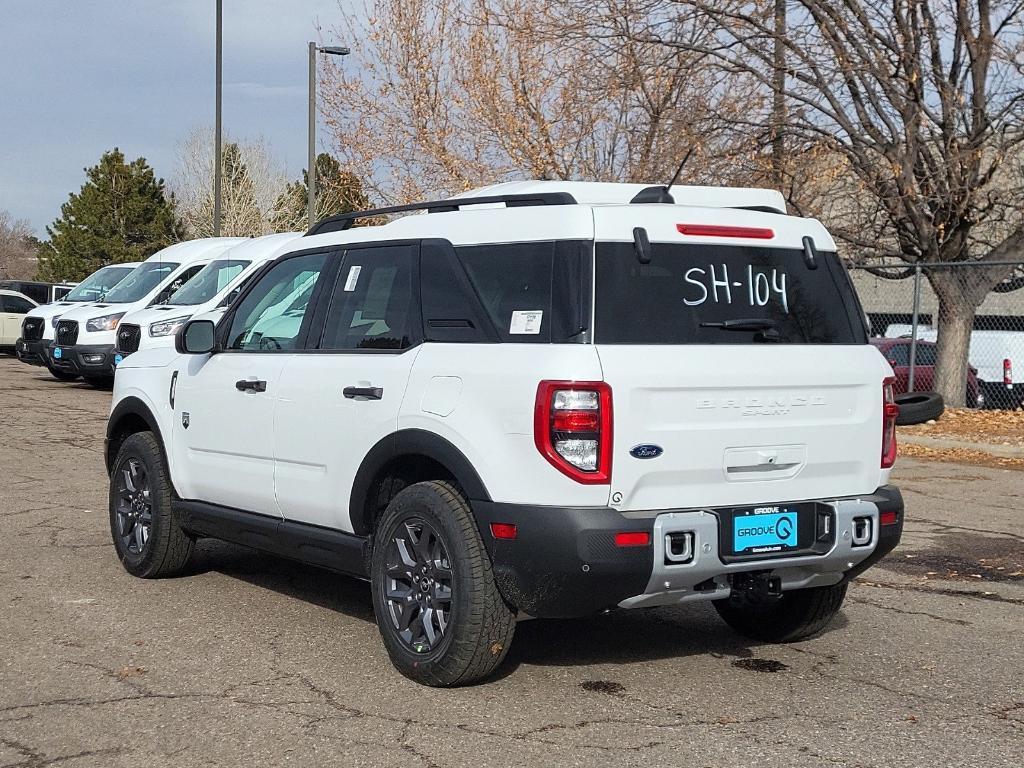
(1005, 451)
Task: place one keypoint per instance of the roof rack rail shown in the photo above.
(344, 221)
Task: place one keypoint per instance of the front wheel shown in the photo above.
(795, 615)
(438, 609)
(148, 539)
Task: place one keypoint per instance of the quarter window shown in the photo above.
(273, 314)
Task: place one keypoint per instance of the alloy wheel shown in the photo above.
(134, 507)
(418, 585)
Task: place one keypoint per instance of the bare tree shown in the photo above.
(252, 184)
(17, 248)
(451, 94)
(917, 107)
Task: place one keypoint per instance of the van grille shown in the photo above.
(67, 332)
(32, 328)
(128, 337)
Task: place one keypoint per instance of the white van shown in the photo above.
(211, 290)
(992, 353)
(84, 336)
(38, 326)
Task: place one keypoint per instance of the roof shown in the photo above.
(260, 248)
(195, 250)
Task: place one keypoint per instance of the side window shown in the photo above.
(451, 312)
(271, 316)
(176, 283)
(372, 304)
(535, 292)
(899, 354)
(15, 304)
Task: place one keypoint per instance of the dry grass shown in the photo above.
(1004, 428)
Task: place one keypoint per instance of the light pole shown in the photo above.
(334, 50)
(216, 127)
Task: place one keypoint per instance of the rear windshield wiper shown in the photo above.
(742, 324)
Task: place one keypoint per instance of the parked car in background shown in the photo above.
(84, 337)
(208, 293)
(37, 328)
(39, 292)
(13, 307)
(992, 353)
(897, 352)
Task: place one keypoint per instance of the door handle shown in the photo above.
(367, 393)
(249, 385)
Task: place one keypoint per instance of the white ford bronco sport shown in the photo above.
(541, 399)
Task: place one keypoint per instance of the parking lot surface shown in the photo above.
(254, 661)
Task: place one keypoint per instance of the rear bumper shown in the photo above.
(1002, 396)
(31, 352)
(83, 359)
(564, 562)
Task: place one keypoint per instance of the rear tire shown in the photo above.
(61, 375)
(796, 615)
(438, 609)
(149, 541)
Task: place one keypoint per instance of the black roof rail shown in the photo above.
(344, 221)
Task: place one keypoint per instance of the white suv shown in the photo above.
(38, 326)
(208, 293)
(83, 343)
(544, 399)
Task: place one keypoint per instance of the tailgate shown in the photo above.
(743, 424)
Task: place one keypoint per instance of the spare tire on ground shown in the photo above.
(919, 407)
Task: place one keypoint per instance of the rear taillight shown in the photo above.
(889, 413)
(572, 427)
(1008, 372)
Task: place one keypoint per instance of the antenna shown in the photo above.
(662, 194)
(679, 170)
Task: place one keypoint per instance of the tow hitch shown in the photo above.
(759, 584)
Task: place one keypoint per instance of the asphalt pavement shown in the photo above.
(254, 661)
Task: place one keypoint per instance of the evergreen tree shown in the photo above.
(338, 191)
(119, 214)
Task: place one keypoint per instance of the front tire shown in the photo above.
(438, 609)
(149, 541)
(796, 615)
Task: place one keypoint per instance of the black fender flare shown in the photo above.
(411, 442)
(130, 406)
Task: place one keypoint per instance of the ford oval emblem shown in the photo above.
(645, 451)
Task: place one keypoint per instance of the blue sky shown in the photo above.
(82, 76)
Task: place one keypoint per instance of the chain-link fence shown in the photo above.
(903, 309)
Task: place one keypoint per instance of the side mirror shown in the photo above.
(196, 338)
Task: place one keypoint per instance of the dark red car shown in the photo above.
(897, 352)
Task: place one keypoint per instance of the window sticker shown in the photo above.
(526, 321)
(353, 278)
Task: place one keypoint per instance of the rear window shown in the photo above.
(713, 294)
(534, 292)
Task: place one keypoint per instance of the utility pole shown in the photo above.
(778, 97)
(216, 126)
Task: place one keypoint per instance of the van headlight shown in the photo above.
(105, 323)
(168, 327)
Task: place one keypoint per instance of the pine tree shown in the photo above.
(120, 214)
(338, 191)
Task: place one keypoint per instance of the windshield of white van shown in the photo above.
(715, 294)
(140, 282)
(96, 285)
(208, 282)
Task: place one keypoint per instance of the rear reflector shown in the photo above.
(632, 539)
(1007, 371)
(717, 230)
(887, 518)
(504, 530)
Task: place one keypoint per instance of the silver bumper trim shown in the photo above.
(673, 583)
